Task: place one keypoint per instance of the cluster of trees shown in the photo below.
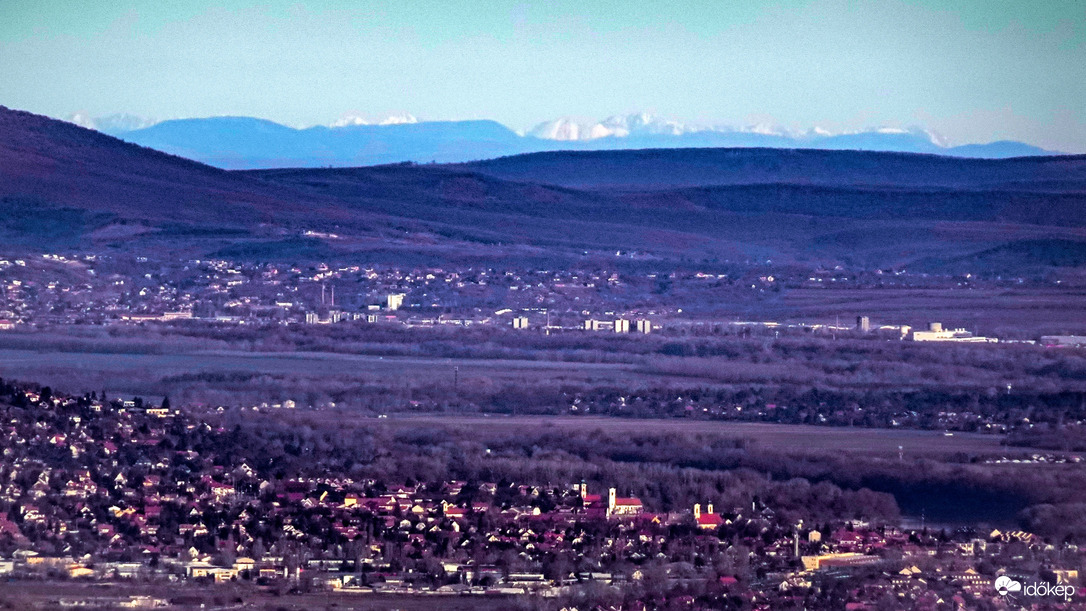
(1062, 437)
(809, 379)
(848, 361)
(671, 471)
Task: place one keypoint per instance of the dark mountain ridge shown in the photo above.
(61, 164)
(65, 187)
(673, 168)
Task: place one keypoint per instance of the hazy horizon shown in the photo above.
(974, 73)
(108, 123)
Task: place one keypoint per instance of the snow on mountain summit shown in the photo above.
(637, 124)
(112, 124)
(569, 129)
(617, 126)
(564, 129)
(349, 119)
(354, 118)
(399, 119)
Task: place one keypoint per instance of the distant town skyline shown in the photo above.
(977, 72)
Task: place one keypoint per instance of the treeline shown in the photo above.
(658, 470)
(672, 471)
(809, 380)
(1066, 438)
(845, 362)
(879, 407)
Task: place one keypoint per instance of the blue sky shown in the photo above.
(971, 70)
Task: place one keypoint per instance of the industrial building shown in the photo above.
(936, 333)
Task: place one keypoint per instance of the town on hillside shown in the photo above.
(105, 490)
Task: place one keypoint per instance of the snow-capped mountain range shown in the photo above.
(568, 129)
(110, 124)
(357, 139)
(354, 118)
(617, 126)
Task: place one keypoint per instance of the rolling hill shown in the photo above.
(675, 168)
(63, 187)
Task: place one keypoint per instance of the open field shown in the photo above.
(156, 374)
(1005, 312)
(769, 437)
(387, 369)
(118, 595)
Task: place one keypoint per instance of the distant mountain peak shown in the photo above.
(399, 119)
(914, 131)
(246, 142)
(765, 129)
(354, 118)
(642, 124)
(110, 124)
(82, 119)
(563, 128)
(69, 188)
(617, 126)
(570, 129)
